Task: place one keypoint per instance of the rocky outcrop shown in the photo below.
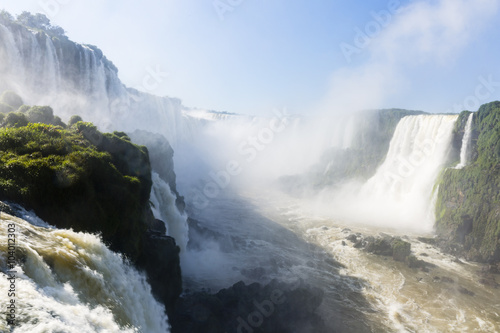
(275, 307)
(94, 182)
(161, 156)
(468, 202)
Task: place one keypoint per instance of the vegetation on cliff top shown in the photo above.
(76, 177)
(468, 204)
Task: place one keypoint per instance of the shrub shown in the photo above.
(16, 119)
(11, 98)
(74, 119)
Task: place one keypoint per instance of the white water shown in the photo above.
(71, 282)
(399, 194)
(77, 80)
(164, 209)
(466, 141)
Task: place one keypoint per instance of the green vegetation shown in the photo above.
(77, 178)
(468, 205)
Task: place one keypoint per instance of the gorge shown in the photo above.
(109, 226)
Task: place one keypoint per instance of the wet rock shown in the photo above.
(344, 243)
(5, 208)
(423, 254)
(359, 244)
(489, 282)
(465, 291)
(413, 262)
(446, 279)
(352, 238)
(400, 250)
(379, 246)
(276, 307)
(427, 240)
(346, 230)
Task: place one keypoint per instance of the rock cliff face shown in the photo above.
(468, 203)
(95, 182)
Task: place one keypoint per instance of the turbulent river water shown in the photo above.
(257, 237)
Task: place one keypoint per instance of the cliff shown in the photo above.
(44, 67)
(80, 178)
(468, 201)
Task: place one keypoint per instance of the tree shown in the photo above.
(16, 119)
(40, 114)
(11, 98)
(39, 21)
(6, 17)
(74, 119)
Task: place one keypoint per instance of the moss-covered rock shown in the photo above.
(94, 182)
(468, 203)
(73, 183)
(400, 250)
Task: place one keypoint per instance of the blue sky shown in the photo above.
(251, 56)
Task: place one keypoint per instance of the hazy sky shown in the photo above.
(251, 56)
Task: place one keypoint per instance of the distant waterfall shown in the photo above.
(71, 282)
(400, 191)
(78, 79)
(164, 209)
(464, 151)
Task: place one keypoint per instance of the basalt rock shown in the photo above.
(275, 307)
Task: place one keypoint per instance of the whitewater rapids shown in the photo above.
(71, 282)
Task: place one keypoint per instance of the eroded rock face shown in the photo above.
(468, 202)
(93, 182)
(275, 307)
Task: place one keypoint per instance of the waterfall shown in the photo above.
(465, 143)
(401, 189)
(78, 79)
(71, 282)
(164, 209)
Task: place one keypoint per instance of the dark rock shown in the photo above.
(344, 243)
(161, 157)
(413, 262)
(160, 260)
(401, 250)
(427, 240)
(446, 279)
(158, 227)
(5, 208)
(379, 246)
(464, 291)
(279, 307)
(352, 238)
(423, 254)
(359, 244)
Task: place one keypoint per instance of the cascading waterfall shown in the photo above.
(78, 79)
(466, 141)
(164, 209)
(71, 282)
(400, 191)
